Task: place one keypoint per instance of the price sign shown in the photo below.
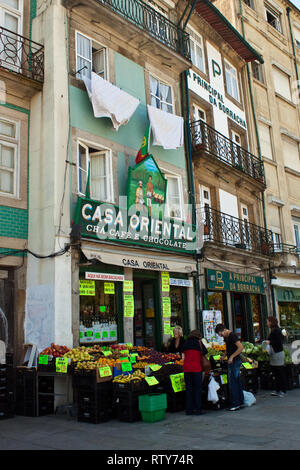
(178, 382)
(154, 367)
(61, 364)
(167, 327)
(128, 306)
(107, 353)
(217, 358)
(102, 308)
(109, 288)
(247, 365)
(87, 287)
(132, 358)
(126, 367)
(128, 286)
(151, 381)
(124, 351)
(166, 304)
(105, 371)
(89, 333)
(224, 379)
(165, 282)
(43, 359)
(97, 335)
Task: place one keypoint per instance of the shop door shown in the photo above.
(148, 302)
(239, 316)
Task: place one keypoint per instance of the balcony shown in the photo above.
(137, 23)
(227, 230)
(284, 248)
(206, 141)
(21, 56)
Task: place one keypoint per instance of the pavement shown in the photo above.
(273, 423)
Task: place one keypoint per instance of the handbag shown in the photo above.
(205, 364)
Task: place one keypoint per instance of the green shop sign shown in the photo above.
(234, 282)
(287, 294)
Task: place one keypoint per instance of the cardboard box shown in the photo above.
(104, 379)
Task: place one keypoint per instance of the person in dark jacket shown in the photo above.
(275, 341)
(176, 343)
(192, 352)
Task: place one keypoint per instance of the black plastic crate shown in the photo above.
(132, 386)
(9, 357)
(175, 401)
(7, 410)
(97, 400)
(46, 405)
(128, 414)
(6, 395)
(87, 416)
(85, 380)
(26, 408)
(45, 384)
(50, 367)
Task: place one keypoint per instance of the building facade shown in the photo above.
(273, 28)
(21, 77)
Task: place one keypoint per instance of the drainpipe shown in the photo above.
(288, 11)
(192, 199)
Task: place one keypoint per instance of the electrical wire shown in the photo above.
(26, 250)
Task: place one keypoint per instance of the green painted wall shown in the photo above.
(13, 222)
(130, 78)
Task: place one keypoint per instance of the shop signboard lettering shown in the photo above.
(234, 282)
(180, 282)
(104, 277)
(287, 294)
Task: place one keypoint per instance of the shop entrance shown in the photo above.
(146, 314)
(239, 315)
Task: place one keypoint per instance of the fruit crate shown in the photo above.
(267, 381)
(46, 384)
(93, 416)
(133, 386)
(46, 405)
(26, 408)
(128, 414)
(153, 416)
(95, 399)
(50, 367)
(82, 379)
(152, 402)
(7, 410)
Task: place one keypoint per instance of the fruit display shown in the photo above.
(258, 353)
(55, 350)
(79, 354)
(137, 376)
(86, 365)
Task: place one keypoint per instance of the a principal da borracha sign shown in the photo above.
(104, 221)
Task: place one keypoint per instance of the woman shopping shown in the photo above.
(176, 343)
(192, 353)
(276, 352)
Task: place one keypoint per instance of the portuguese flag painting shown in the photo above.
(144, 150)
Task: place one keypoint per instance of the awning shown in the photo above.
(207, 10)
(132, 259)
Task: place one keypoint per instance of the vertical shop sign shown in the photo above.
(165, 282)
(166, 304)
(128, 306)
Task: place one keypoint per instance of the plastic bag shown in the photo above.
(213, 387)
(249, 398)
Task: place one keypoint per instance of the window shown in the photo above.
(265, 140)
(161, 95)
(297, 233)
(277, 241)
(257, 71)
(11, 19)
(197, 50)
(282, 83)
(174, 203)
(100, 172)
(249, 3)
(297, 37)
(91, 55)
(232, 81)
(291, 153)
(273, 18)
(8, 157)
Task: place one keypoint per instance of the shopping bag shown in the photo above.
(249, 398)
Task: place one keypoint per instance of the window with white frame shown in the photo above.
(296, 223)
(11, 18)
(98, 162)
(9, 148)
(90, 57)
(161, 95)
(273, 18)
(174, 201)
(282, 84)
(197, 50)
(232, 84)
(277, 241)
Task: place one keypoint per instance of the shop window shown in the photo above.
(161, 95)
(289, 317)
(9, 147)
(91, 55)
(257, 71)
(98, 313)
(177, 306)
(232, 85)
(174, 201)
(273, 18)
(99, 162)
(215, 301)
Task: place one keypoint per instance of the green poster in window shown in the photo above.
(166, 304)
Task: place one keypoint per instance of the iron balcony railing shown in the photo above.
(21, 55)
(206, 138)
(228, 230)
(157, 25)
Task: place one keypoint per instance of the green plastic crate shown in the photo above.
(153, 416)
(152, 402)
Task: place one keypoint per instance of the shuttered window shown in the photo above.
(282, 83)
(291, 154)
(265, 140)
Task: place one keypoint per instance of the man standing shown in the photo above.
(149, 194)
(234, 348)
